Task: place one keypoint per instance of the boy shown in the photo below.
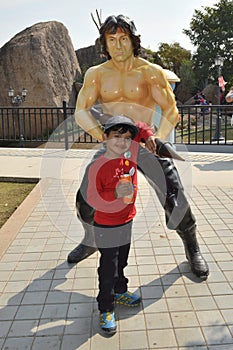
(112, 193)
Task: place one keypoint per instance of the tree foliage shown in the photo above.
(211, 32)
(187, 87)
(172, 56)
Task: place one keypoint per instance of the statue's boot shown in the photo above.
(85, 248)
(198, 264)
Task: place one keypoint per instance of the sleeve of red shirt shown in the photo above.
(97, 196)
(144, 131)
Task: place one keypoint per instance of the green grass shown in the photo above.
(12, 195)
(199, 135)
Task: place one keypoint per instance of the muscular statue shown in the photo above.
(128, 85)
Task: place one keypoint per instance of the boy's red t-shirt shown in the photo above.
(103, 177)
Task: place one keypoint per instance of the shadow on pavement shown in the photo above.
(66, 318)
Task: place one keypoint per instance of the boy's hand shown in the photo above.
(123, 189)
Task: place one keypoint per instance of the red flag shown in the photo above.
(221, 82)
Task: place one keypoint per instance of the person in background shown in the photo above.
(229, 95)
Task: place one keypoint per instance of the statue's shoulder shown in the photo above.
(141, 62)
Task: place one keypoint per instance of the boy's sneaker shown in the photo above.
(107, 322)
(128, 299)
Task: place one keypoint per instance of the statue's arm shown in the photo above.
(87, 97)
(163, 95)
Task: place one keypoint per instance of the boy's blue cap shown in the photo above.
(121, 120)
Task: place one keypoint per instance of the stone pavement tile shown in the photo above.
(189, 337)
(1, 343)
(133, 283)
(81, 325)
(133, 340)
(4, 328)
(226, 265)
(54, 311)
(176, 291)
(87, 296)
(203, 303)
(220, 288)
(145, 260)
(36, 297)
(22, 328)
(73, 342)
(11, 299)
(80, 310)
(149, 269)
(84, 283)
(29, 312)
(221, 347)
(8, 266)
(29, 256)
(210, 318)
(7, 258)
(148, 251)
(8, 313)
(64, 285)
(154, 305)
(153, 280)
(48, 327)
(184, 319)
(223, 257)
(228, 315)
(217, 335)
(136, 322)
(39, 285)
(52, 342)
(171, 278)
(161, 338)
(167, 268)
(44, 274)
(5, 275)
(22, 275)
(198, 289)
(152, 292)
(18, 343)
(179, 304)
(224, 301)
(58, 297)
(160, 320)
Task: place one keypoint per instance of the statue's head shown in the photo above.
(110, 26)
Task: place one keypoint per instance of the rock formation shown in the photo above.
(42, 59)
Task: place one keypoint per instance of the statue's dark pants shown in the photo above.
(162, 175)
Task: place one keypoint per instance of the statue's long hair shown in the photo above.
(110, 26)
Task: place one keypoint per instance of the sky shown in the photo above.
(157, 21)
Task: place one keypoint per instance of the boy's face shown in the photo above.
(117, 143)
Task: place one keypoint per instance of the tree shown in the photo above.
(211, 32)
(172, 56)
(187, 87)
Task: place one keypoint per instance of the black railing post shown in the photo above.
(218, 131)
(21, 137)
(65, 126)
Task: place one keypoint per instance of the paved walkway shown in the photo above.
(47, 304)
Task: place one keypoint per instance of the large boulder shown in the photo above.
(41, 59)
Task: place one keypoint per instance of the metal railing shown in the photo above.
(30, 126)
(206, 125)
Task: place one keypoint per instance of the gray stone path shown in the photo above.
(47, 304)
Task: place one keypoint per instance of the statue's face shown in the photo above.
(119, 45)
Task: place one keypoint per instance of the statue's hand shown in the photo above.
(150, 144)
